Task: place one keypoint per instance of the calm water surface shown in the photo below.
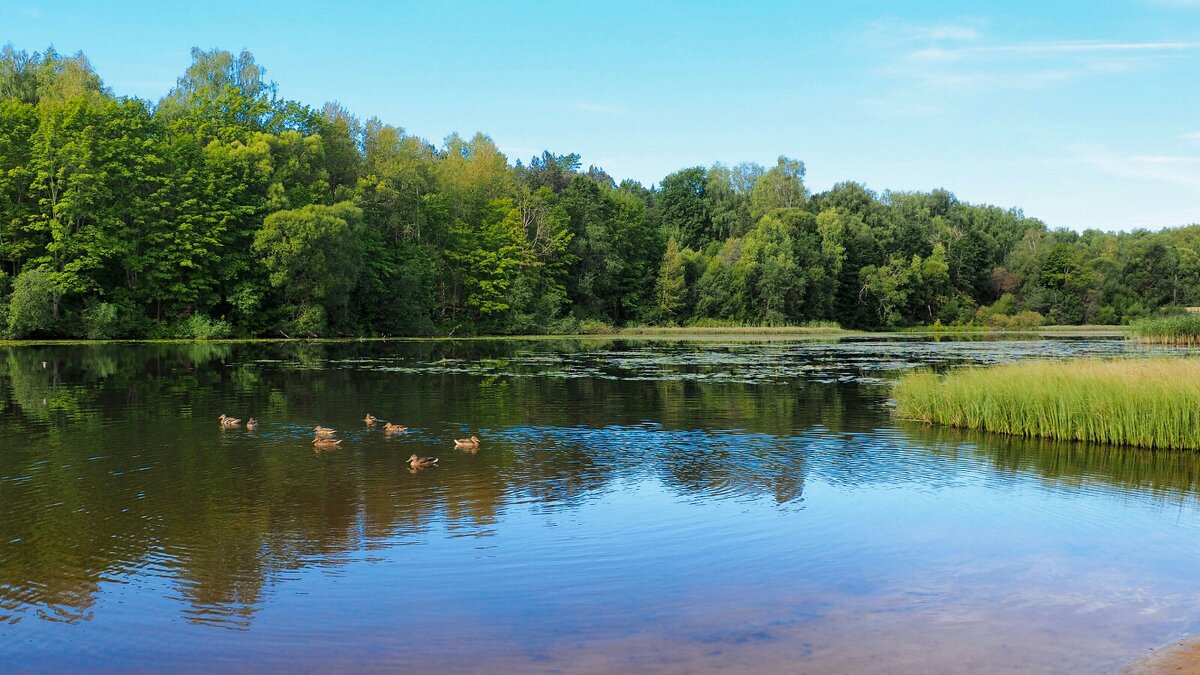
(658, 506)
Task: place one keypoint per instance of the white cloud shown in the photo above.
(1171, 169)
(1193, 136)
(1029, 65)
(1084, 46)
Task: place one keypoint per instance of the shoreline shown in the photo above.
(652, 333)
(1181, 656)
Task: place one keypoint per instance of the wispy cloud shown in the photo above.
(1172, 169)
(1193, 136)
(962, 64)
(894, 31)
(1089, 46)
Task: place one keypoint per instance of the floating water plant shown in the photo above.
(1149, 403)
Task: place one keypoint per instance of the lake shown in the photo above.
(634, 505)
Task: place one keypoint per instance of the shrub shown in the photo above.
(101, 321)
(595, 327)
(1027, 319)
(310, 322)
(31, 307)
(200, 327)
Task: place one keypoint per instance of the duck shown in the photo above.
(323, 432)
(422, 462)
(370, 420)
(471, 443)
(252, 423)
(228, 422)
(390, 428)
(326, 443)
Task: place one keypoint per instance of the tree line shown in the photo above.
(224, 209)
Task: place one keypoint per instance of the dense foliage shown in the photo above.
(226, 210)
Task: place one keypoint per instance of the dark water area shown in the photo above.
(653, 506)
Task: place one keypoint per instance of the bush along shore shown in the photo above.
(1179, 329)
(1149, 403)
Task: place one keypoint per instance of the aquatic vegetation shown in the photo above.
(1179, 329)
(1150, 403)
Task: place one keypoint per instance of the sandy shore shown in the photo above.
(1181, 657)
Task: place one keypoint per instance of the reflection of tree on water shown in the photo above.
(1167, 475)
(127, 473)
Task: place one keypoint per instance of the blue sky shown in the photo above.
(1084, 114)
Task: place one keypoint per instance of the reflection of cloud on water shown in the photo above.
(124, 480)
(699, 464)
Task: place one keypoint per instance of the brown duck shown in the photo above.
(323, 432)
(326, 443)
(370, 420)
(252, 424)
(471, 443)
(228, 422)
(394, 428)
(422, 462)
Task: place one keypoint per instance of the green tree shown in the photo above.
(32, 307)
(671, 291)
(683, 208)
(781, 187)
(313, 257)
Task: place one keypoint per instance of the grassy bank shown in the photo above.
(1179, 329)
(1150, 403)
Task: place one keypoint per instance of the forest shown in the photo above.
(226, 210)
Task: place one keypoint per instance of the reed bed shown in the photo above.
(1178, 329)
(1148, 403)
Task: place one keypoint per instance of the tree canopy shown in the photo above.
(227, 209)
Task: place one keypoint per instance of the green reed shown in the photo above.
(1149, 403)
(1178, 329)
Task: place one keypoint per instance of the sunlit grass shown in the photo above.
(1179, 329)
(1150, 403)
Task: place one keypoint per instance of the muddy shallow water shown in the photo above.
(634, 505)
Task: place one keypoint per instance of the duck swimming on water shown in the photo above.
(252, 423)
(370, 420)
(422, 462)
(471, 443)
(390, 428)
(323, 432)
(228, 422)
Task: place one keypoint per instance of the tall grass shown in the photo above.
(1178, 329)
(1149, 403)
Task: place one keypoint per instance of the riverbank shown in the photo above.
(1181, 657)
(655, 333)
(1150, 403)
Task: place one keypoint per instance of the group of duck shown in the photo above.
(325, 438)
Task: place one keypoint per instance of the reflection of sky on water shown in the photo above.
(718, 524)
